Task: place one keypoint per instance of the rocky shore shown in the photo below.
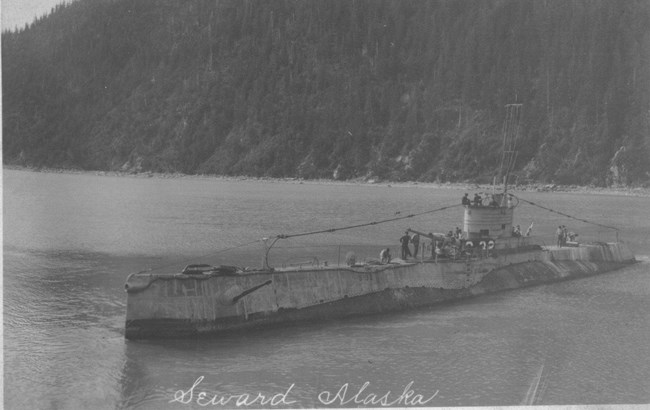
(535, 187)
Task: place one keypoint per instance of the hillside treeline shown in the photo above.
(395, 90)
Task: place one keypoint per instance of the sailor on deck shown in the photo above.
(384, 255)
(404, 240)
(415, 239)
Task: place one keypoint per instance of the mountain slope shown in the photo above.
(386, 89)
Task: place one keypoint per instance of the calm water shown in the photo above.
(71, 240)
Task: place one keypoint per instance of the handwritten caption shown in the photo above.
(344, 395)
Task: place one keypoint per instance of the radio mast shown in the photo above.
(511, 128)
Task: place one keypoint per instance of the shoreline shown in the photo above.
(470, 186)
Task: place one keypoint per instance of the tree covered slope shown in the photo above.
(398, 90)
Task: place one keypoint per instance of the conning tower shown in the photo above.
(482, 222)
(493, 218)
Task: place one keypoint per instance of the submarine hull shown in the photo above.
(178, 305)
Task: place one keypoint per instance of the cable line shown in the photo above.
(331, 230)
(287, 236)
(567, 215)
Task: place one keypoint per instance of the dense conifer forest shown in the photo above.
(378, 89)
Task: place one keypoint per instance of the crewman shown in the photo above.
(450, 238)
(404, 240)
(465, 200)
(438, 250)
(385, 256)
(415, 240)
(432, 244)
(477, 200)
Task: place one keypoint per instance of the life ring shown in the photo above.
(469, 245)
(483, 245)
(490, 245)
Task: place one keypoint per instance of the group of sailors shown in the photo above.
(415, 240)
(451, 244)
(488, 200)
(405, 240)
(564, 235)
(439, 245)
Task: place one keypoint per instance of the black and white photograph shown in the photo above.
(288, 204)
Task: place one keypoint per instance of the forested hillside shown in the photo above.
(395, 90)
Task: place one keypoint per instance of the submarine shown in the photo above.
(489, 256)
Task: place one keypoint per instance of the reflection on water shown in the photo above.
(71, 240)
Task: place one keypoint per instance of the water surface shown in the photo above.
(71, 240)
